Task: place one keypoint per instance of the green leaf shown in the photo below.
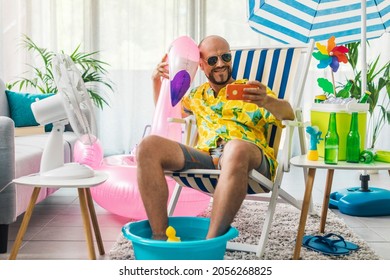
(388, 117)
(326, 85)
(353, 54)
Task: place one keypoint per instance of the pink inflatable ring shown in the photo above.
(120, 194)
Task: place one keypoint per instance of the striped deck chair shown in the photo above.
(284, 70)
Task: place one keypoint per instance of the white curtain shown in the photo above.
(132, 36)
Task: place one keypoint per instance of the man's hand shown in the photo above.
(158, 74)
(281, 109)
(256, 95)
(161, 70)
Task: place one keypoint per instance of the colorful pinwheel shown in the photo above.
(331, 55)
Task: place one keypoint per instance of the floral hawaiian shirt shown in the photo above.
(219, 118)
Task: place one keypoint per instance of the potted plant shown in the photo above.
(93, 72)
(378, 85)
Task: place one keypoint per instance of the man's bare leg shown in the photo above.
(154, 155)
(239, 157)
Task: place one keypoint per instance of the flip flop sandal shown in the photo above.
(322, 245)
(339, 241)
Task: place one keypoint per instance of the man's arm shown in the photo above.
(281, 109)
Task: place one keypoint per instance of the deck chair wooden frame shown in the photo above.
(284, 69)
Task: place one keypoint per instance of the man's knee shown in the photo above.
(242, 154)
(161, 151)
(147, 146)
(238, 150)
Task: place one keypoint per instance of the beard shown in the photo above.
(219, 79)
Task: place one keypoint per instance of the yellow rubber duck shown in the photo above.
(171, 234)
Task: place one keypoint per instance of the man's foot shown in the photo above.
(159, 236)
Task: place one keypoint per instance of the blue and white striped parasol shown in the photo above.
(290, 21)
(299, 21)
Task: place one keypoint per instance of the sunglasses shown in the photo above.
(212, 60)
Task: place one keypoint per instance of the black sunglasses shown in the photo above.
(212, 60)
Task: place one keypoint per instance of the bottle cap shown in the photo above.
(320, 98)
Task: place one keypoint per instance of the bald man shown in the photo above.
(230, 138)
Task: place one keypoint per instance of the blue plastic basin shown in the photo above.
(191, 230)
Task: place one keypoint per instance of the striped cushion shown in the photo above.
(205, 180)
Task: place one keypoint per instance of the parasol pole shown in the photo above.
(364, 60)
(363, 48)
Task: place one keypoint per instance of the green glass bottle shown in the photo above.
(345, 92)
(332, 141)
(365, 97)
(353, 140)
(366, 156)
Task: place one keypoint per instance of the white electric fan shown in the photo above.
(71, 105)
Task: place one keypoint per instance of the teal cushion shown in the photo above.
(20, 107)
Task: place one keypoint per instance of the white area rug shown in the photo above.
(281, 241)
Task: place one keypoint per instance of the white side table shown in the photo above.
(312, 166)
(86, 206)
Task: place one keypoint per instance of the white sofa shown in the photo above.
(20, 156)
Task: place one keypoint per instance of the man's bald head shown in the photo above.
(213, 42)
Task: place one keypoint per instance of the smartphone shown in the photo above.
(235, 91)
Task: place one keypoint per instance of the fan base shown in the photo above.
(70, 171)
